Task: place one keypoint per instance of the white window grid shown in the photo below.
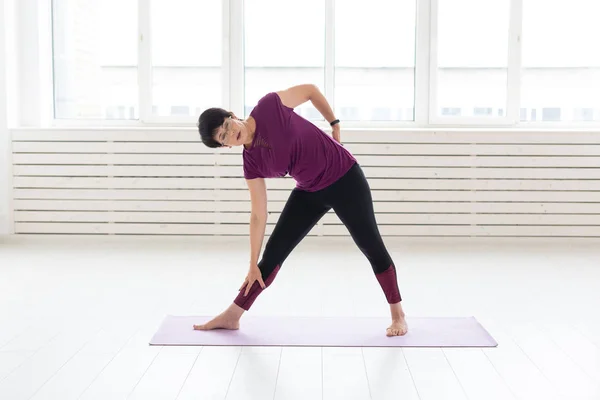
(425, 104)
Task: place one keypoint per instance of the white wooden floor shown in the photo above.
(76, 314)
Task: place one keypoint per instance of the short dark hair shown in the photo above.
(210, 120)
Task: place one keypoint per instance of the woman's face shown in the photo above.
(232, 133)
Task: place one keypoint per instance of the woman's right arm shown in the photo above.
(258, 217)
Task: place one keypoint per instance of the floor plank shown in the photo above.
(477, 375)
(300, 374)
(255, 375)
(166, 375)
(567, 377)
(344, 374)
(30, 376)
(388, 374)
(520, 374)
(211, 374)
(433, 375)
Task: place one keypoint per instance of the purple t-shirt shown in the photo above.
(285, 143)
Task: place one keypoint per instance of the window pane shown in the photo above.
(472, 56)
(282, 52)
(561, 61)
(186, 56)
(375, 59)
(95, 59)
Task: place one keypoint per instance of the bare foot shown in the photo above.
(398, 328)
(220, 322)
(228, 319)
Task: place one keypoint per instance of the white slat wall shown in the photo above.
(424, 183)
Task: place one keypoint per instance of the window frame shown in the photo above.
(425, 103)
(513, 79)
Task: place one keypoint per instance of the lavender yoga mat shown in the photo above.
(325, 332)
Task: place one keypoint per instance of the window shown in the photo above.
(451, 111)
(583, 114)
(523, 114)
(472, 54)
(374, 56)
(482, 111)
(180, 110)
(186, 54)
(431, 62)
(349, 113)
(381, 114)
(311, 113)
(560, 57)
(551, 114)
(95, 59)
(282, 51)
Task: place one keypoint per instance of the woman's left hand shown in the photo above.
(336, 133)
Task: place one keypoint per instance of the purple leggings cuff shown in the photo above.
(246, 302)
(389, 283)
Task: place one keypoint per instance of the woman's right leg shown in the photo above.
(301, 213)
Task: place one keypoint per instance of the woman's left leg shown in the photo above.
(350, 197)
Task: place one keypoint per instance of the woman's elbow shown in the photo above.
(258, 216)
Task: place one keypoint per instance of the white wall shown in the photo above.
(425, 182)
(4, 135)
(8, 109)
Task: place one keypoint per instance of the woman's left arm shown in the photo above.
(300, 94)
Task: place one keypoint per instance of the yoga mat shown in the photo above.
(325, 332)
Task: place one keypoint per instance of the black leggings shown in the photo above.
(350, 198)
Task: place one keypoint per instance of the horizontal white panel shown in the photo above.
(118, 147)
(139, 205)
(461, 135)
(143, 183)
(458, 135)
(129, 170)
(279, 195)
(329, 219)
(137, 217)
(355, 148)
(236, 159)
(495, 196)
(473, 230)
(137, 229)
(478, 219)
(473, 149)
(482, 173)
(127, 159)
(276, 206)
(370, 172)
(328, 230)
(145, 134)
(239, 183)
(480, 184)
(479, 161)
(108, 194)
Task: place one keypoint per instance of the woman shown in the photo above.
(277, 142)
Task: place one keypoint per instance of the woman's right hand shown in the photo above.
(254, 274)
